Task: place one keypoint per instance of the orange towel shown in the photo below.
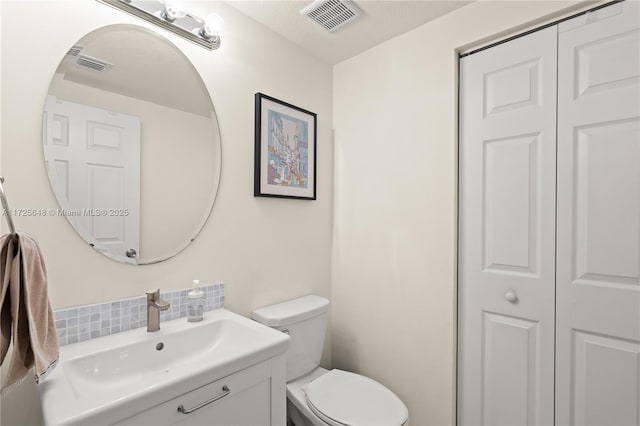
(26, 317)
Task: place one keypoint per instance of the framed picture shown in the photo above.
(285, 152)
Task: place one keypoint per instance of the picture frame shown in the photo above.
(285, 150)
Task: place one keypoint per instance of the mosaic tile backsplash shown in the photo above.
(86, 322)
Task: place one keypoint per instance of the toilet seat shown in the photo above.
(341, 398)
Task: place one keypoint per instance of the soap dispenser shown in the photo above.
(195, 303)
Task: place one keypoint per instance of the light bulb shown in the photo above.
(173, 10)
(213, 26)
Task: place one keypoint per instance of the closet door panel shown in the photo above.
(598, 243)
(507, 232)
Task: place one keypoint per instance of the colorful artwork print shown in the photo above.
(285, 150)
(288, 150)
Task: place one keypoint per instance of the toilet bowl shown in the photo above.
(320, 397)
(339, 398)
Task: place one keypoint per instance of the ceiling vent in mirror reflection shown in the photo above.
(332, 14)
(93, 63)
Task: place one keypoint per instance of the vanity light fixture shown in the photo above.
(172, 16)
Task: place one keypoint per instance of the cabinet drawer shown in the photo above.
(246, 400)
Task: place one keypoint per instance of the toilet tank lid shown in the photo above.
(291, 312)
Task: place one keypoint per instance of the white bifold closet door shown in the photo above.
(507, 233)
(549, 266)
(598, 251)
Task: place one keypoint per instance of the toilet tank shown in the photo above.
(305, 320)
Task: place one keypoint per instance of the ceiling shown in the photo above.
(381, 20)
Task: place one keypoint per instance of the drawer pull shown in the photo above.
(225, 391)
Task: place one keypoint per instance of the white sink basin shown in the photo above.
(128, 372)
(142, 361)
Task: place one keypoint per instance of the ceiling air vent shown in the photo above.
(93, 63)
(332, 14)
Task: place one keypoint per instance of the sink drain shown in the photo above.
(160, 346)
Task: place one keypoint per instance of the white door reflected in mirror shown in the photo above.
(93, 161)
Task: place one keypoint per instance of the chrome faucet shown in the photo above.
(154, 305)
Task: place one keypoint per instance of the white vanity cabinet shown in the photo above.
(253, 396)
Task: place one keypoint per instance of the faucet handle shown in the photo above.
(153, 298)
(153, 295)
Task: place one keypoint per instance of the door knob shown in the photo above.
(511, 296)
(131, 253)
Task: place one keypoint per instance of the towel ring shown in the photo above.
(5, 208)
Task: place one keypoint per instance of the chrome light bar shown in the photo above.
(186, 25)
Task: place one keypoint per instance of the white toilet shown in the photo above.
(320, 397)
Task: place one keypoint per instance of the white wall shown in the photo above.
(394, 258)
(265, 250)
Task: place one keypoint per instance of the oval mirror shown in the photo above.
(131, 144)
